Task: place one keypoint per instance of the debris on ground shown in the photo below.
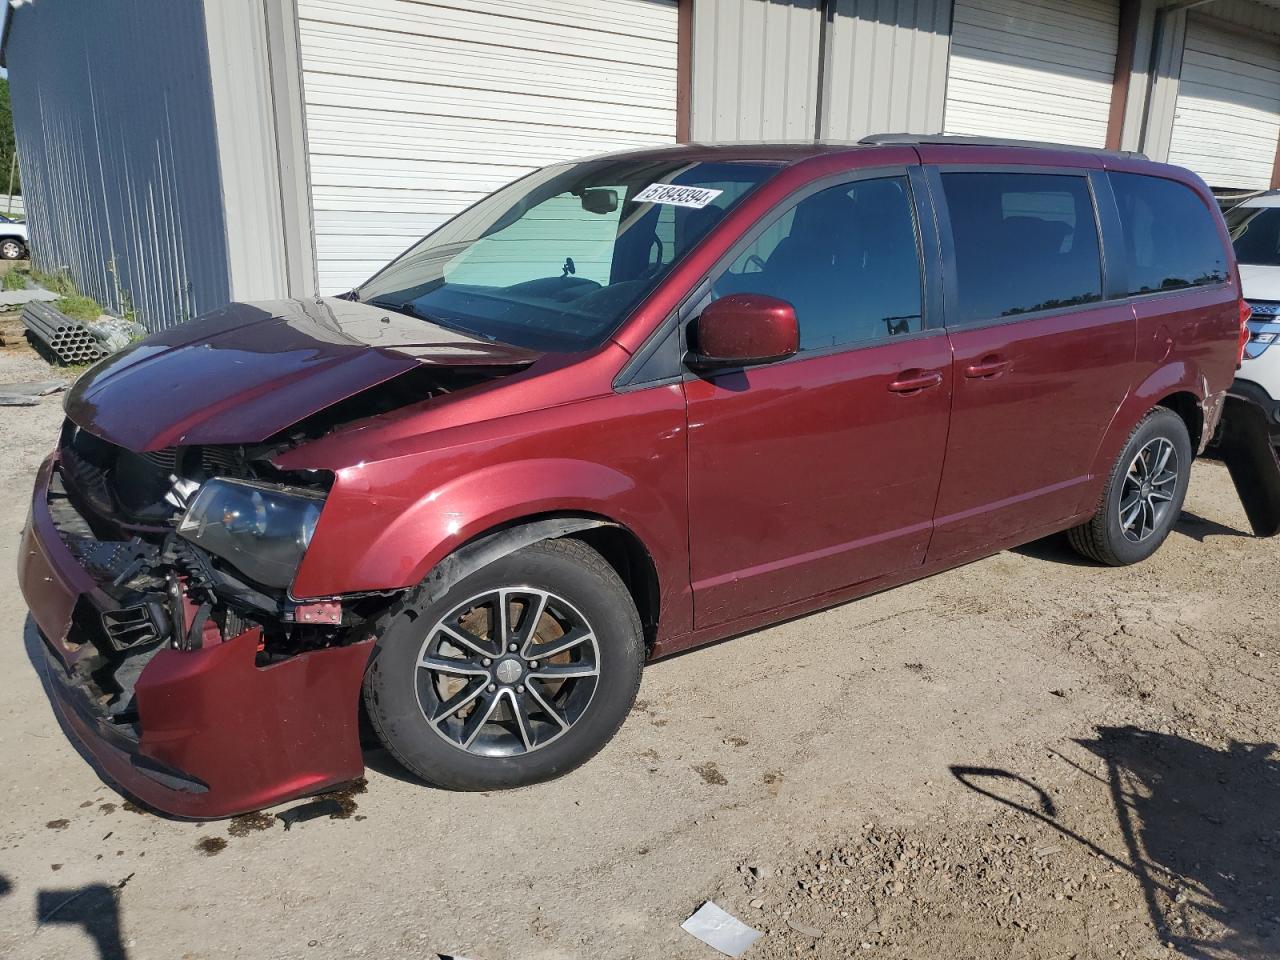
(19, 298)
(338, 804)
(71, 340)
(28, 394)
(210, 846)
(248, 823)
(113, 333)
(720, 930)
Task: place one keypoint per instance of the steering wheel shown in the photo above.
(758, 261)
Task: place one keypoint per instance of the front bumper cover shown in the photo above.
(215, 735)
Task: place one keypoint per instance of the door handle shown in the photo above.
(988, 368)
(913, 381)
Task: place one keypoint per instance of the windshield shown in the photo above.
(1255, 234)
(557, 260)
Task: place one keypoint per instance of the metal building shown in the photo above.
(180, 153)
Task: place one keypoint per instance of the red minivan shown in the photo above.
(617, 409)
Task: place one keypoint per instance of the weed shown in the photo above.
(78, 307)
(59, 283)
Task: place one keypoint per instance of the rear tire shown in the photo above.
(519, 673)
(1143, 496)
(12, 250)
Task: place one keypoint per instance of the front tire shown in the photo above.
(519, 673)
(1143, 496)
(12, 250)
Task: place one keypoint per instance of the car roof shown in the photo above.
(933, 149)
(793, 151)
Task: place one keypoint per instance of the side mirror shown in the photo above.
(743, 329)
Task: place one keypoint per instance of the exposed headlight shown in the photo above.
(261, 529)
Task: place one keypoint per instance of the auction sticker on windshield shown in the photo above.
(676, 195)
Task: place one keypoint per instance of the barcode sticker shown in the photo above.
(676, 195)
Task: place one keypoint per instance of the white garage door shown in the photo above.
(1228, 115)
(415, 110)
(1032, 69)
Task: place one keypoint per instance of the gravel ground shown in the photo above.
(1028, 757)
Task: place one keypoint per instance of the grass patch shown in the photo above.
(73, 371)
(78, 307)
(59, 283)
(14, 280)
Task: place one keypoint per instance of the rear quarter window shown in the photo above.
(1171, 239)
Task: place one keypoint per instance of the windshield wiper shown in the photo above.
(409, 309)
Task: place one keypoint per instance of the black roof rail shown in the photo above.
(942, 139)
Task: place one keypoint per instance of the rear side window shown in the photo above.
(1024, 242)
(1171, 239)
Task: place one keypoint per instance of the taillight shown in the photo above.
(1246, 312)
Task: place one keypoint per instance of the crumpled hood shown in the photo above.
(244, 373)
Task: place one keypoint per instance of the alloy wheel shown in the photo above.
(1149, 487)
(10, 250)
(507, 672)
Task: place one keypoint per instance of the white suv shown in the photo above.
(1255, 233)
(13, 239)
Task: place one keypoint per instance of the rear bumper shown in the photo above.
(214, 735)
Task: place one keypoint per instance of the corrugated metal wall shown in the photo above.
(1244, 13)
(1033, 70)
(1227, 119)
(755, 69)
(415, 110)
(885, 68)
(243, 107)
(114, 116)
(756, 73)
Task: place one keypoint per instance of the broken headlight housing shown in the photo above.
(261, 529)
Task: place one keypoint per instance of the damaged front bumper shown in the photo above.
(209, 732)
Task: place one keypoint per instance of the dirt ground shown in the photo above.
(1030, 757)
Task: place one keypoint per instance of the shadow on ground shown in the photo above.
(1200, 828)
(1053, 549)
(1199, 529)
(95, 908)
(1057, 549)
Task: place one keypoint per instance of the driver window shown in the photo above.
(846, 258)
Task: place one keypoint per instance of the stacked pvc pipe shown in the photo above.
(67, 339)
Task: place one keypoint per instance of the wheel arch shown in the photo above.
(1191, 409)
(620, 546)
(1180, 387)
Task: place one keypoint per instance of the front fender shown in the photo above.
(390, 519)
(456, 512)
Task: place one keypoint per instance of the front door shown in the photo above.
(1041, 364)
(821, 471)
